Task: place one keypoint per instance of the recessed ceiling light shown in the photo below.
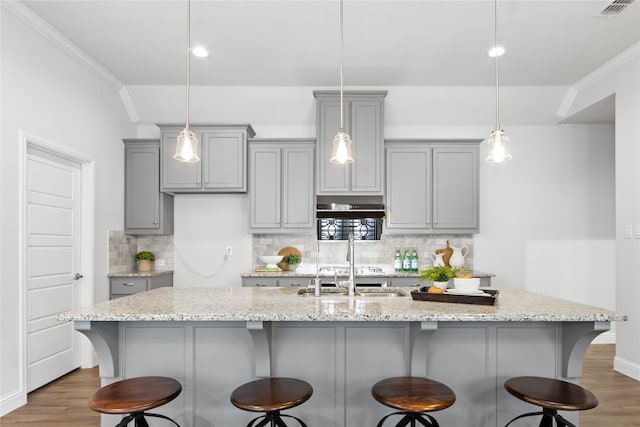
(496, 51)
(200, 52)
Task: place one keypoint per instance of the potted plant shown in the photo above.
(292, 262)
(439, 275)
(145, 260)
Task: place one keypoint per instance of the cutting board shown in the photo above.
(286, 251)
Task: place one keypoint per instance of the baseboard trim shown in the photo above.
(626, 367)
(12, 402)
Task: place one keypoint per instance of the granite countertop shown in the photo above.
(152, 273)
(284, 304)
(282, 273)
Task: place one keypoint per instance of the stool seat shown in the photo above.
(271, 394)
(134, 395)
(413, 394)
(551, 393)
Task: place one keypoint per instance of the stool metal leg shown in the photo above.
(411, 418)
(140, 421)
(274, 419)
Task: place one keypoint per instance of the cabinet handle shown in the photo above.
(261, 284)
(129, 284)
(295, 284)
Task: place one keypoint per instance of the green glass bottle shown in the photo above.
(397, 260)
(414, 260)
(406, 260)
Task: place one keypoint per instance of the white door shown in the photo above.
(53, 205)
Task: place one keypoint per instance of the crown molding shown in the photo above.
(26, 15)
(595, 76)
(125, 97)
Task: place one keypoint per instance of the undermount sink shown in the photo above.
(360, 292)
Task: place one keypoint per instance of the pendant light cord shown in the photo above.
(341, 76)
(495, 45)
(188, 56)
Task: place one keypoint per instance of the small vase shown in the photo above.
(293, 267)
(441, 285)
(145, 265)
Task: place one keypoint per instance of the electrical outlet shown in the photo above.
(636, 231)
(159, 263)
(229, 251)
(306, 254)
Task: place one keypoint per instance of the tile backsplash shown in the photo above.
(123, 249)
(380, 252)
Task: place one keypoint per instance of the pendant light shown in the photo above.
(498, 145)
(341, 149)
(187, 147)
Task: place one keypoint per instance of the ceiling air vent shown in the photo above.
(615, 8)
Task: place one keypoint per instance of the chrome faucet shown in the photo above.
(351, 251)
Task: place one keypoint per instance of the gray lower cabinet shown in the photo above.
(126, 285)
(432, 187)
(364, 122)
(146, 209)
(281, 194)
(259, 282)
(223, 160)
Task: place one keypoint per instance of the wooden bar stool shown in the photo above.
(552, 395)
(272, 395)
(414, 397)
(134, 396)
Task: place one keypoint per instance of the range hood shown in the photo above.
(350, 207)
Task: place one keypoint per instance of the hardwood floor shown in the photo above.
(64, 402)
(60, 403)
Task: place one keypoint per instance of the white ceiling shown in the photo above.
(386, 42)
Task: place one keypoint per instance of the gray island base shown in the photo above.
(213, 340)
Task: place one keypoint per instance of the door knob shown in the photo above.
(78, 276)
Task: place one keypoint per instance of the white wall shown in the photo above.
(624, 82)
(205, 226)
(50, 95)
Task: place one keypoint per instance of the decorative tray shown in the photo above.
(487, 297)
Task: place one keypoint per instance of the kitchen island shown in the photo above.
(213, 340)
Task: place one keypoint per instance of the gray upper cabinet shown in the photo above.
(281, 185)
(146, 209)
(432, 187)
(223, 160)
(364, 122)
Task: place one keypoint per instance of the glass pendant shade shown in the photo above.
(341, 150)
(187, 147)
(498, 147)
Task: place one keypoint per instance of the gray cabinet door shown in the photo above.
(364, 121)
(332, 178)
(366, 133)
(177, 175)
(455, 188)
(146, 209)
(224, 161)
(297, 187)
(265, 193)
(409, 189)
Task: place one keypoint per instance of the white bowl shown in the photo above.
(466, 285)
(271, 260)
